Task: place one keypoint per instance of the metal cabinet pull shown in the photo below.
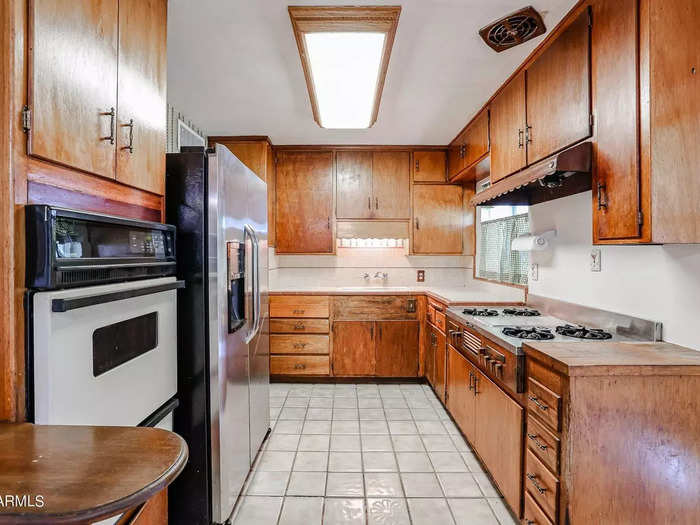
(528, 134)
(112, 117)
(371, 332)
(417, 165)
(537, 402)
(299, 366)
(329, 223)
(299, 312)
(369, 203)
(299, 326)
(376, 203)
(601, 191)
(299, 345)
(130, 125)
(417, 224)
(476, 382)
(471, 377)
(533, 480)
(520, 139)
(533, 438)
(380, 332)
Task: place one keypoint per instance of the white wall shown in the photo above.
(661, 283)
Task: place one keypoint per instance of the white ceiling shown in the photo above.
(234, 69)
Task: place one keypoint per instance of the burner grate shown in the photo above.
(581, 332)
(521, 312)
(480, 312)
(528, 332)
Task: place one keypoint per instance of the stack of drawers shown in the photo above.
(299, 335)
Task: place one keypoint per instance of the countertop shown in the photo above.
(482, 294)
(84, 473)
(615, 358)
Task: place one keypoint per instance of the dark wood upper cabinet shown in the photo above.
(141, 114)
(429, 166)
(73, 83)
(397, 348)
(508, 123)
(304, 214)
(455, 155)
(558, 92)
(353, 348)
(354, 185)
(470, 146)
(437, 219)
(391, 187)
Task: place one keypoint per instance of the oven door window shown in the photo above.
(115, 344)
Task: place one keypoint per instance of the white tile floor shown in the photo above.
(366, 453)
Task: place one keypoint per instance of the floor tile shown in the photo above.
(429, 511)
(451, 428)
(345, 484)
(414, 462)
(321, 402)
(398, 414)
(471, 462)
(300, 390)
(402, 427)
(379, 462)
(383, 484)
(430, 427)
(486, 486)
(502, 513)
(293, 413)
(314, 442)
(345, 402)
(258, 510)
(288, 442)
(289, 427)
(472, 512)
(376, 443)
(274, 413)
(421, 485)
(447, 462)
(372, 413)
(394, 402)
(311, 461)
(345, 427)
(418, 403)
(459, 485)
(340, 414)
(316, 427)
(345, 462)
(345, 443)
(322, 414)
(386, 511)
(307, 484)
(407, 443)
(268, 483)
(369, 402)
(460, 443)
(438, 443)
(276, 461)
(374, 427)
(342, 511)
(301, 511)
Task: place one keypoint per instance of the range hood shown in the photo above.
(560, 175)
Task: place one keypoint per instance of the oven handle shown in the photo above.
(64, 305)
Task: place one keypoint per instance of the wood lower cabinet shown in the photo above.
(397, 349)
(429, 166)
(391, 188)
(508, 123)
(354, 348)
(429, 357)
(304, 211)
(461, 401)
(437, 219)
(436, 352)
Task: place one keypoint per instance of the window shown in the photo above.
(497, 226)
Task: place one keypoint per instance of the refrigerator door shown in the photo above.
(229, 403)
(260, 343)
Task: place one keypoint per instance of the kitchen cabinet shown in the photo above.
(508, 126)
(397, 349)
(107, 59)
(429, 357)
(354, 185)
(461, 401)
(354, 348)
(429, 166)
(436, 353)
(558, 93)
(304, 207)
(471, 146)
(391, 188)
(437, 219)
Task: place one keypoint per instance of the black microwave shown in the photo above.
(69, 248)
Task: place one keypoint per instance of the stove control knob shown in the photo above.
(498, 368)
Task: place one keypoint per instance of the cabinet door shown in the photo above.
(353, 348)
(429, 166)
(437, 219)
(304, 202)
(460, 399)
(440, 364)
(397, 348)
(141, 106)
(508, 129)
(499, 437)
(477, 139)
(558, 93)
(455, 155)
(354, 185)
(429, 364)
(391, 184)
(73, 83)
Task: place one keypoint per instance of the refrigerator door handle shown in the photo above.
(250, 234)
(258, 317)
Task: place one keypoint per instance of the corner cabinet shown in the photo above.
(471, 146)
(105, 121)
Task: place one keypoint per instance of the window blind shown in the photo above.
(496, 260)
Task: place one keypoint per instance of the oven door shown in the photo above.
(104, 355)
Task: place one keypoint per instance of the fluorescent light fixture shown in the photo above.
(344, 71)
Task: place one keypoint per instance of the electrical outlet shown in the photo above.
(420, 276)
(595, 260)
(534, 272)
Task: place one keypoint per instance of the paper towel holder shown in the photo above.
(529, 242)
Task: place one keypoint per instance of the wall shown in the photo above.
(661, 283)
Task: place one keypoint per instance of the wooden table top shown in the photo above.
(83, 473)
(615, 358)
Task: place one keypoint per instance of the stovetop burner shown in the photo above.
(581, 332)
(524, 312)
(480, 312)
(528, 332)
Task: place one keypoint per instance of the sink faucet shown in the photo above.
(381, 275)
(365, 276)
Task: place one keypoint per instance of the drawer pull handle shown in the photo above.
(533, 438)
(299, 326)
(299, 311)
(471, 378)
(537, 402)
(533, 480)
(299, 345)
(299, 366)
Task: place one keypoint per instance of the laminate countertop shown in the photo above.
(82, 474)
(598, 358)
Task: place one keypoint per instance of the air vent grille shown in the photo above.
(513, 29)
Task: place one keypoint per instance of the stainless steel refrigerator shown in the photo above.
(220, 209)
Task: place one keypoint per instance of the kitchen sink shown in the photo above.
(373, 288)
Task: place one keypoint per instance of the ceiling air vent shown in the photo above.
(513, 29)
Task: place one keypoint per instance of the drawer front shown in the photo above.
(430, 315)
(300, 365)
(545, 403)
(299, 306)
(299, 344)
(375, 307)
(543, 443)
(436, 305)
(299, 326)
(542, 485)
(533, 514)
(440, 321)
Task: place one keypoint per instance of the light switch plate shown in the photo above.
(595, 260)
(534, 271)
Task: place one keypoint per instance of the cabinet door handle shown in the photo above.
(528, 134)
(112, 117)
(537, 402)
(533, 480)
(329, 223)
(471, 378)
(376, 203)
(520, 139)
(601, 192)
(417, 165)
(533, 438)
(299, 366)
(130, 125)
(380, 332)
(371, 332)
(476, 382)
(369, 203)
(417, 224)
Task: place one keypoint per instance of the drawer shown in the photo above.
(375, 307)
(299, 306)
(430, 315)
(545, 376)
(440, 321)
(300, 365)
(299, 344)
(299, 326)
(436, 305)
(545, 403)
(543, 443)
(454, 334)
(533, 514)
(542, 485)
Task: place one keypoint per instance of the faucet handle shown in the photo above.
(365, 276)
